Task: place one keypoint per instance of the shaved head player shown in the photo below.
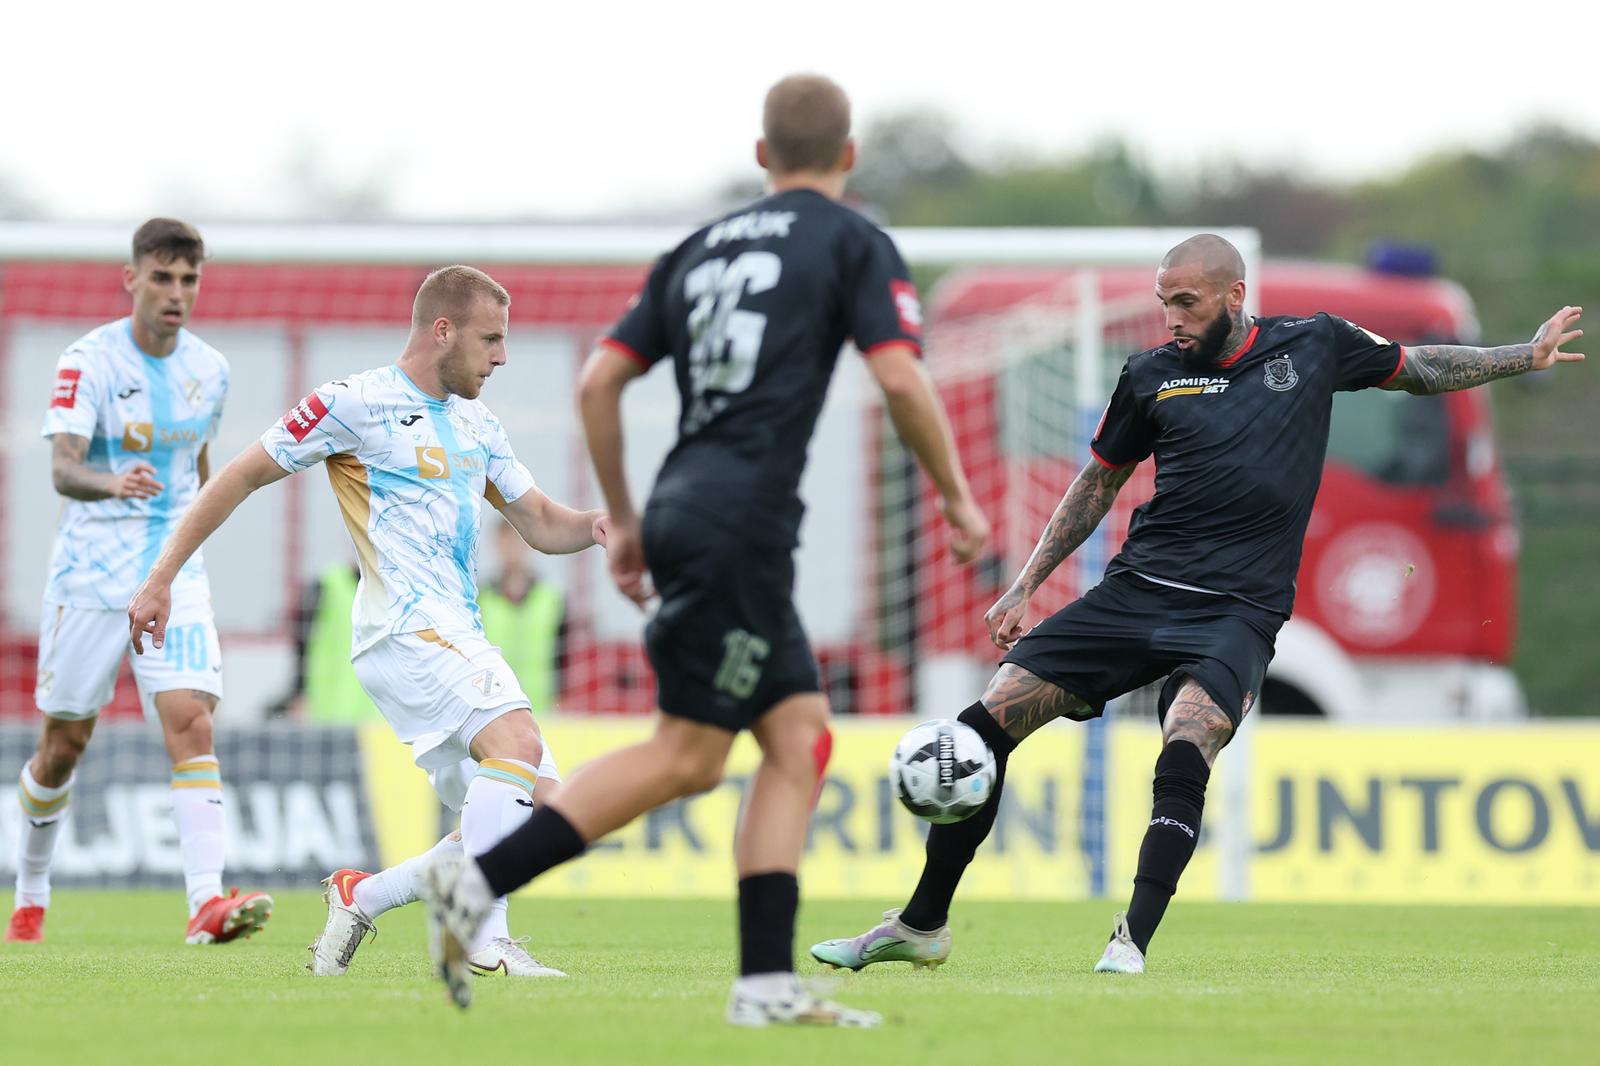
(1235, 410)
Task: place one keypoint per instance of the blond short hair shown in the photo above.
(451, 291)
(806, 122)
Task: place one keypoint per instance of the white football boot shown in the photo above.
(799, 1006)
(891, 940)
(345, 928)
(508, 956)
(1122, 955)
(459, 899)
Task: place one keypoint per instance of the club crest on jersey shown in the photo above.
(488, 684)
(1281, 376)
(191, 392)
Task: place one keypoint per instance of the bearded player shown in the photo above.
(1236, 412)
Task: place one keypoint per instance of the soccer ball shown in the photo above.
(942, 771)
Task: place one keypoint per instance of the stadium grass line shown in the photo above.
(1230, 983)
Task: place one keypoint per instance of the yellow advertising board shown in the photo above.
(1504, 814)
(1467, 814)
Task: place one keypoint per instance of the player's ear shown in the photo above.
(1236, 296)
(441, 330)
(761, 153)
(847, 157)
(129, 274)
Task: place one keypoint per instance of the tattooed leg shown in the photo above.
(1021, 702)
(1194, 716)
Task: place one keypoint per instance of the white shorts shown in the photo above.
(438, 692)
(81, 650)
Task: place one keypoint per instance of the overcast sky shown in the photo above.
(471, 110)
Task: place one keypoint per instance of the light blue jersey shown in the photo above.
(408, 471)
(132, 408)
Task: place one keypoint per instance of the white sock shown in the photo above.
(397, 886)
(767, 985)
(198, 810)
(499, 799)
(43, 810)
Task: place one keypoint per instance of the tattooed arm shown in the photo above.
(1079, 512)
(1448, 367)
(75, 479)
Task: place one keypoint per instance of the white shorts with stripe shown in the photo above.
(438, 692)
(81, 650)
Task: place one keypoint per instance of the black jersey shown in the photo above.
(1239, 446)
(754, 309)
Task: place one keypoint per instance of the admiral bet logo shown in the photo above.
(1191, 387)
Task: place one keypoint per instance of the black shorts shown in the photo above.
(1127, 632)
(726, 642)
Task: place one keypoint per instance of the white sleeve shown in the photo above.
(216, 415)
(327, 422)
(74, 397)
(506, 478)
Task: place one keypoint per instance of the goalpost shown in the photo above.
(1026, 330)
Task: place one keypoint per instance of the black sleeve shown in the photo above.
(881, 302)
(642, 331)
(1362, 359)
(1125, 434)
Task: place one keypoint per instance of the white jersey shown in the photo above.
(408, 471)
(132, 408)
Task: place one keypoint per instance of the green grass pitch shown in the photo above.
(1233, 984)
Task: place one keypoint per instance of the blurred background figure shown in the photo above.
(325, 687)
(526, 615)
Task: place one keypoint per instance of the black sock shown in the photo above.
(951, 847)
(1180, 796)
(767, 904)
(544, 841)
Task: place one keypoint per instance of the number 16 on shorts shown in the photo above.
(743, 657)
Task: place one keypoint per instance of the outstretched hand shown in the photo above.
(1552, 335)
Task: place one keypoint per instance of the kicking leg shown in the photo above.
(499, 800)
(680, 759)
(1014, 705)
(1195, 731)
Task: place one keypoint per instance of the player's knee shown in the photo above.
(60, 751)
(511, 736)
(696, 771)
(1201, 724)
